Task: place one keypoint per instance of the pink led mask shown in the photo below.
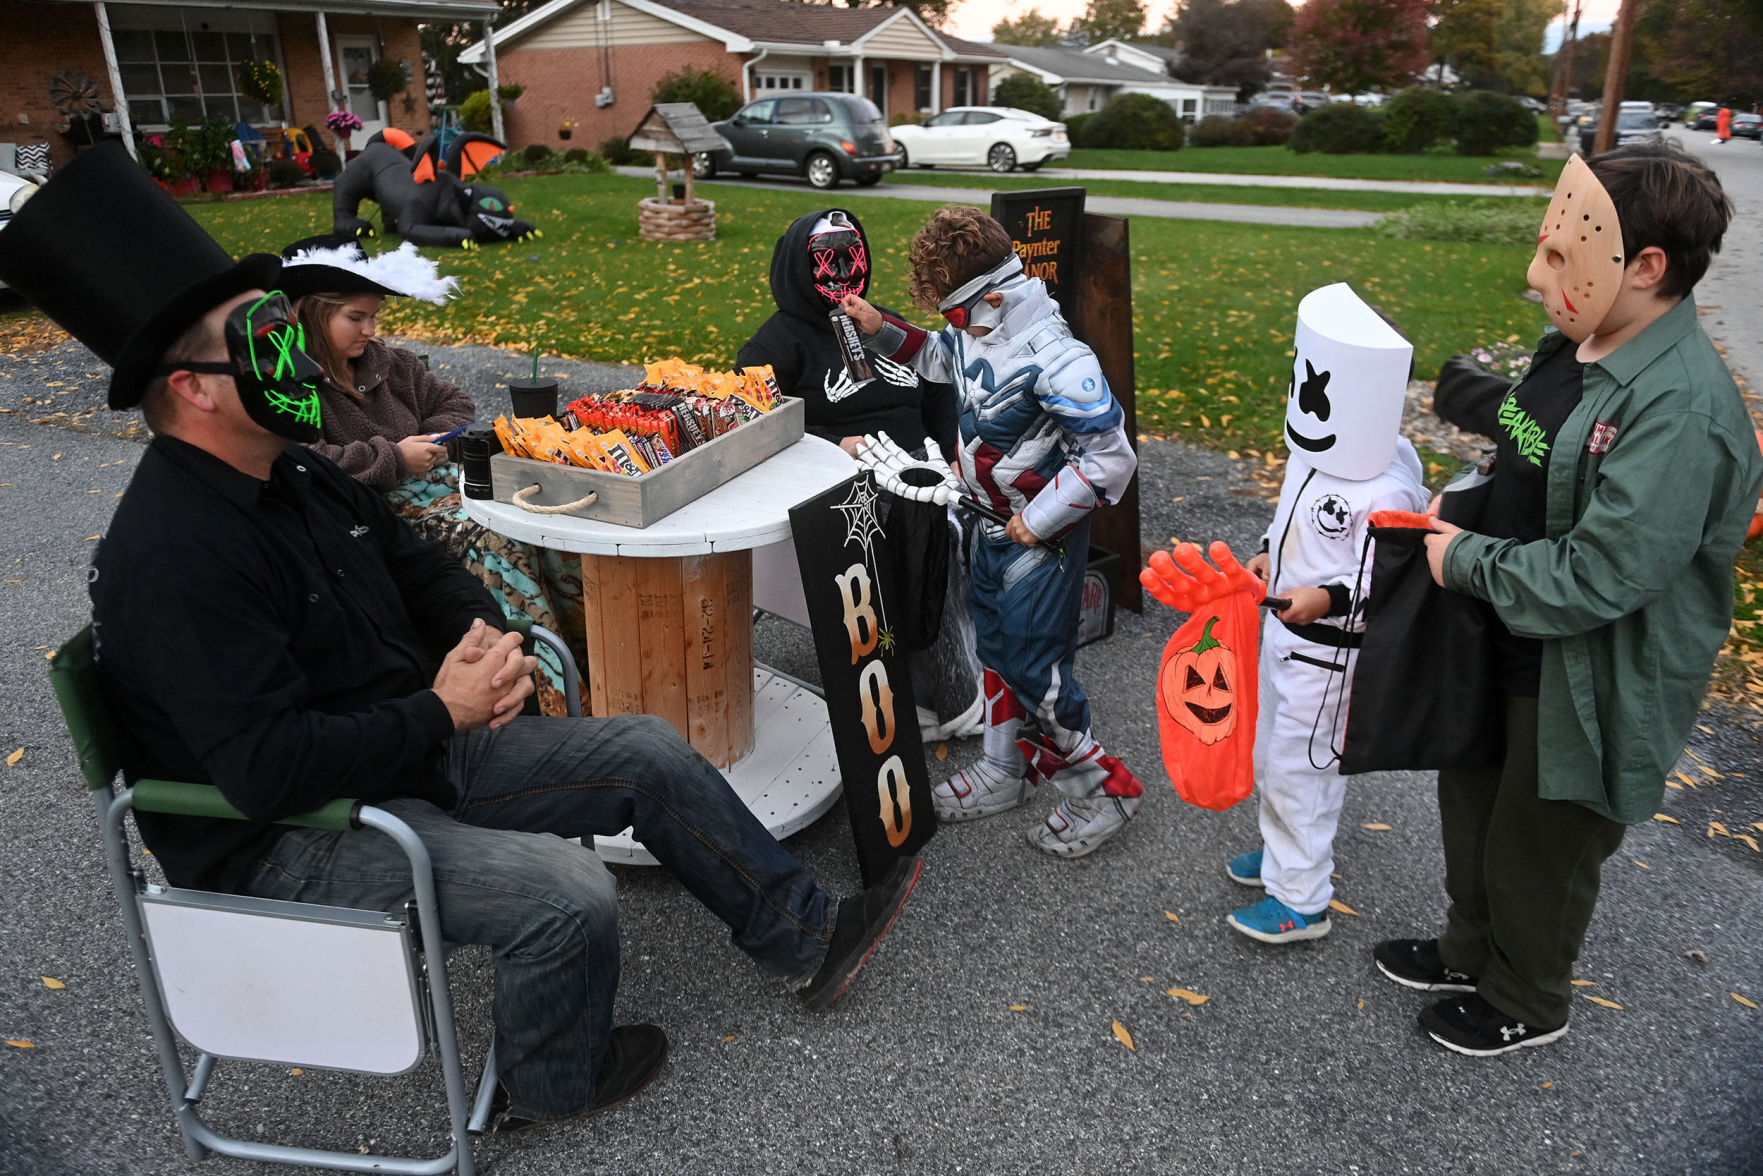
(1579, 260)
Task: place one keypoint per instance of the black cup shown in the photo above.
(533, 398)
(475, 447)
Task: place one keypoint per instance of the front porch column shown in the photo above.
(496, 128)
(936, 87)
(123, 122)
(333, 97)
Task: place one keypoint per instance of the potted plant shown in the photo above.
(387, 78)
(510, 93)
(261, 82)
(342, 124)
(566, 128)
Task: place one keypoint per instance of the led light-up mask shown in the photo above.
(277, 380)
(966, 307)
(1579, 260)
(839, 259)
(1349, 382)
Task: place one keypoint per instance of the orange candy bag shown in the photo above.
(1207, 686)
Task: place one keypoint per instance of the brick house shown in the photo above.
(180, 61)
(597, 61)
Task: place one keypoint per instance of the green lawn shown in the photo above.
(1280, 161)
(1214, 303)
(1193, 193)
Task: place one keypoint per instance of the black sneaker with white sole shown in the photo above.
(1415, 963)
(1470, 1025)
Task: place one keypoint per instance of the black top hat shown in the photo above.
(111, 258)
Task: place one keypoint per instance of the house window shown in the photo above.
(177, 70)
(782, 81)
(921, 96)
(1095, 100)
(841, 79)
(964, 90)
(1189, 109)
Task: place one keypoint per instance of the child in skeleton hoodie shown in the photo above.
(1344, 407)
(1043, 441)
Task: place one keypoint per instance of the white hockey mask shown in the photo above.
(1579, 259)
(1349, 382)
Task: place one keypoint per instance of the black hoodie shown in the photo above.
(798, 343)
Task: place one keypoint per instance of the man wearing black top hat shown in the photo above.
(264, 623)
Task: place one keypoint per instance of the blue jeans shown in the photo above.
(547, 907)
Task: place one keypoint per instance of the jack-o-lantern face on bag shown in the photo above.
(1579, 259)
(1200, 688)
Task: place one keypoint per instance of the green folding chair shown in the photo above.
(286, 983)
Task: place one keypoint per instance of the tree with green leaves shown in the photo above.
(1106, 20)
(1353, 46)
(1225, 42)
(1494, 44)
(1031, 28)
(713, 94)
(1024, 91)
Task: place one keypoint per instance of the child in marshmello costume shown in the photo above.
(1044, 442)
(1343, 411)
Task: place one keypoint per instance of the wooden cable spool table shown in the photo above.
(670, 632)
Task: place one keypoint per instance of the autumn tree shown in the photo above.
(1493, 44)
(1225, 42)
(1357, 45)
(1700, 50)
(1107, 20)
(1031, 28)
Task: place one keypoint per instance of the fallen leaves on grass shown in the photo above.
(1602, 1003)
(1335, 904)
(1189, 995)
(1125, 1038)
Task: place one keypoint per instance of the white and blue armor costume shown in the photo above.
(1040, 436)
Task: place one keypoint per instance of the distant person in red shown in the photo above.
(1723, 126)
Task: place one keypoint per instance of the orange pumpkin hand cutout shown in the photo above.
(1206, 687)
(1199, 687)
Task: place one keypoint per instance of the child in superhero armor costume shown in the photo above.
(1043, 441)
(1344, 407)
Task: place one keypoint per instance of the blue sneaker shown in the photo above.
(1245, 869)
(1272, 921)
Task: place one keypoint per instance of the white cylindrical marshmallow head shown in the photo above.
(1344, 405)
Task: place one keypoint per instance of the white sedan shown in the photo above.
(999, 137)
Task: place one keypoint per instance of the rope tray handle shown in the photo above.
(522, 497)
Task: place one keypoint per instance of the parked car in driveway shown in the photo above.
(826, 137)
(1747, 126)
(1632, 126)
(998, 137)
(14, 191)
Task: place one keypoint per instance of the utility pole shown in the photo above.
(1621, 37)
(1572, 44)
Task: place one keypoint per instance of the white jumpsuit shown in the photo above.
(1317, 538)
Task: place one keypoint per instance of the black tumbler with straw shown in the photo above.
(533, 398)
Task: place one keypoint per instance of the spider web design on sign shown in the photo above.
(862, 527)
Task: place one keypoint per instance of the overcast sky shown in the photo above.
(973, 19)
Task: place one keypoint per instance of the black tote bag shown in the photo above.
(1425, 689)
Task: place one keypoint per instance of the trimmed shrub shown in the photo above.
(618, 153)
(325, 163)
(1136, 122)
(1337, 129)
(1074, 128)
(1418, 118)
(537, 154)
(1026, 92)
(1489, 222)
(1271, 127)
(577, 155)
(474, 112)
(285, 173)
(1487, 121)
(1215, 130)
(905, 118)
(706, 89)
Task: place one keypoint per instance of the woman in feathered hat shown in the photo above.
(383, 410)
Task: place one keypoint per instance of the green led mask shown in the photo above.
(277, 380)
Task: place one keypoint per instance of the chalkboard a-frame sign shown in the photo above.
(1046, 226)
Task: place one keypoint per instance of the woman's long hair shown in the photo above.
(316, 312)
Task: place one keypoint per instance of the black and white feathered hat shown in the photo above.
(336, 264)
(116, 263)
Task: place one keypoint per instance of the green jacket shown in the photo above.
(1631, 589)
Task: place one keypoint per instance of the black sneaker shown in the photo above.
(862, 921)
(1415, 963)
(1470, 1025)
(634, 1056)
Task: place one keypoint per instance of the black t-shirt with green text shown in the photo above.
(1517, 506)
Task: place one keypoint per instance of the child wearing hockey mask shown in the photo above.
(1044, 442)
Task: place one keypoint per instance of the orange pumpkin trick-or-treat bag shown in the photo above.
(1206, 688)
